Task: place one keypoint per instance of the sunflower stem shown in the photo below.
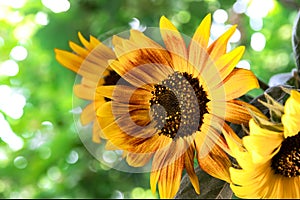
(262, 84)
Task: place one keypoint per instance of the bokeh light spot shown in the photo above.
(220, 16)
(73, 157)
(20, 162)
(2, 42)
(117, 195)
(9, 68)
(14, 17)
(243, 64)
(17, 3)
(259, 9)
(183, 16)
(285, 32)
(44, 152)
(136, 25)
(41, 18)
(109, 157)
(19, 53)
(57, 6)
(256, 23)
(240, 6)
(236, 36)
(24, 31)
(8, 136)
(44, 183)
(258, 41)
(138, 193)
(54, 173)
(11, 102)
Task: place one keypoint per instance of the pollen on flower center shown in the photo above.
(184, 102)
(287, 161)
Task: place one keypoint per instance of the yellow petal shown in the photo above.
(291, 118)
(202, 33)
(228, 61)
(140, 117)
(291, 124)
(218, 47)
(88, 114)
(142, 41)
(85, 43)
(125, 94)
(169, 178)
(209, 135)
(262, 148)
(238, 83)
(78, 49)
(197, 47)
(94, 42)
(138, 159)
(68, 59)
(105, 110)
(216, 163)
(154, 176)
(236, 112)
(96, 137)
(74, 63)
(233, 141)
(236, 149)
(84, 92)
(174, 44)
(255, 129)
(189, 166)
(152, 64)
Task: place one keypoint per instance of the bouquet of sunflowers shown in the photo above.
(176, 105)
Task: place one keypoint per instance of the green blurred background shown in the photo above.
(41, 154)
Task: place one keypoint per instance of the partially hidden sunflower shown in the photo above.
(170, 104)
(269, 157)
(90, 62)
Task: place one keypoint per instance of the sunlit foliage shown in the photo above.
(41, 155)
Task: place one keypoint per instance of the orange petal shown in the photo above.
(78, 49)
(197, 47)
(227, 62)
(174, 44)
(237, 113)
(218, 47)
(216, 163)
(84, 92)
(125, 94)
(88, 114)
(201, 35)
(96, 133)
(138, 159)
(238, 83)
(83, 40)
(169, 178)
(189, 165)
(74, 63)
(142, 40)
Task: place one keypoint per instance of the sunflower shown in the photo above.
(90, 62)
(170, 103)
(269, 157)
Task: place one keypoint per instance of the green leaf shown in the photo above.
(210, 187)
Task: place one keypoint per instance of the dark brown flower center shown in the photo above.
(111, 79)
(178, 105)
(287, 161)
